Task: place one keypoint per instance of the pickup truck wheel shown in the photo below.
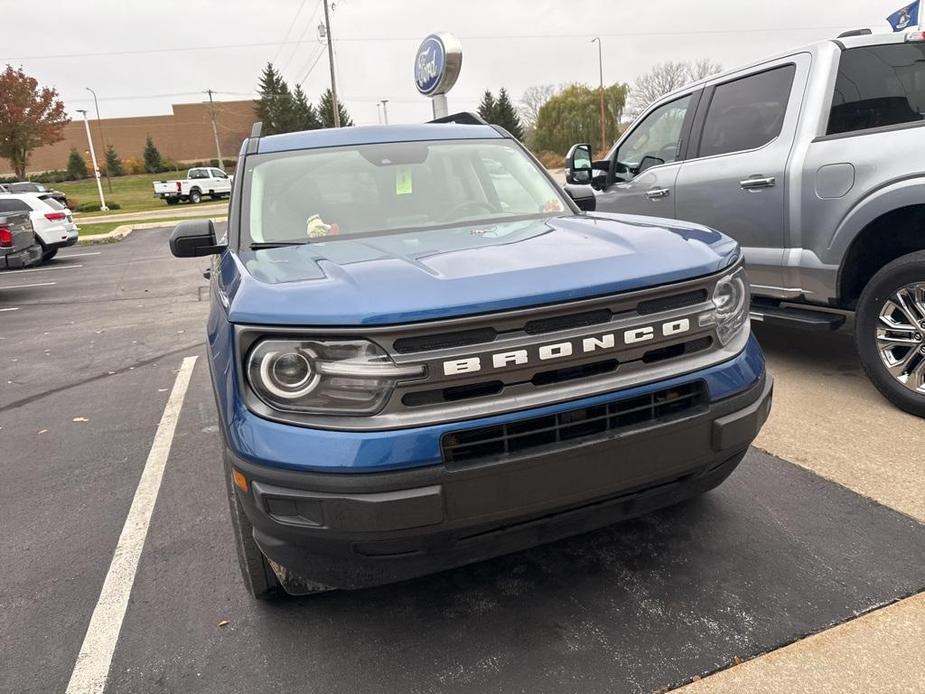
(172, 201)
(890, 332)
(259, 578)
(195, 197)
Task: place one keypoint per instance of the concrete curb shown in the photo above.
(120, 232)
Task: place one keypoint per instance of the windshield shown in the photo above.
(298, 196)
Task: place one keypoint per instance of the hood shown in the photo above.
(443, 273)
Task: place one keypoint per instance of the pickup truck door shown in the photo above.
(646, 161)
(734, 178)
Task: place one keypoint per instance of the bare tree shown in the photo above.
(704, 67)
(532, 101)
(665, 78)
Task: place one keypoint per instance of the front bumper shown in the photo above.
(358, 530)
(20, 259)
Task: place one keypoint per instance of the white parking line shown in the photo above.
(9, 309)
(25, 286)
(78, 255)
(48, 269)
(92, 667)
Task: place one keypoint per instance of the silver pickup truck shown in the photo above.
(814, 161)
(18, 245)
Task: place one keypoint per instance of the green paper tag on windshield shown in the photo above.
(403, 182)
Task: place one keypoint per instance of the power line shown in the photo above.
(305, 30)
(374, 39)
(289, 30)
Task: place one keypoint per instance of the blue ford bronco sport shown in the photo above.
(424, 354)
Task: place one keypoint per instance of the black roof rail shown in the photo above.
(854, 32)
(463, 118)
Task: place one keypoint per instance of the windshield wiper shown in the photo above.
(276, 244)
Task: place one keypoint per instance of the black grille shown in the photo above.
(575, 320)
(425, 343)
(667, 303)
(595, 421)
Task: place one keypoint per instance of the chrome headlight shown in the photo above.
(324, 376)
(731, 299)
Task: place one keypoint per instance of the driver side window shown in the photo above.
(656, 140)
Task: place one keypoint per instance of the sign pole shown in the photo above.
(441, 109)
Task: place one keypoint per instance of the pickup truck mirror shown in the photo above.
(579, 164)
(194, 239)
(648, 162)
(583, 197)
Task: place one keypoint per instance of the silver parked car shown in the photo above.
(812, 160)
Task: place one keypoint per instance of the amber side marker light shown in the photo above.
(240, 481)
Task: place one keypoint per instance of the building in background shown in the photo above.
(183, 136)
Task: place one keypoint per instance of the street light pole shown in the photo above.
(379, 112)
(600, 67)
(385, 111)
(96, 169)
(99, 126)
(327, 31)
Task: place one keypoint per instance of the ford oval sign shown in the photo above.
(437, 64)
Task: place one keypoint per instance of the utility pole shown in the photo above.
(385, 111)
(96, 169)
(218, 147)
(99, 126)
(379, 112)
(327, 33)
(600, 66)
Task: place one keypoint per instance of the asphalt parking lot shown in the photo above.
(822, 525)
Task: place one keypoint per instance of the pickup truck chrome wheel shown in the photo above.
(889, 331)
(901, 336)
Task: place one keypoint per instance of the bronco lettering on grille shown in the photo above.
(602, 342)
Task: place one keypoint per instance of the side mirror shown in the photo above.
(583, 197)
(194, 239)
(579, 164)
(648, 162)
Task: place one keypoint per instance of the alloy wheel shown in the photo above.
(901, 336)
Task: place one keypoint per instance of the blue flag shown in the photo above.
(905, 18)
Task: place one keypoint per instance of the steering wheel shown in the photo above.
(467, 204)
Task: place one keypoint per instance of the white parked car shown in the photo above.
(53, 223)
(199, 182)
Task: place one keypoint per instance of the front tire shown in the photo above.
(259, 578)
(890, 332)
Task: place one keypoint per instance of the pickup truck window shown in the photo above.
(381, 188)
(657, 136)
(198, 173)
(747, 113)
(878, 86)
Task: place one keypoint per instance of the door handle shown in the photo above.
(658, 193)
(756, 183)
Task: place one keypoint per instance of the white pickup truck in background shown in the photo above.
(199, 181)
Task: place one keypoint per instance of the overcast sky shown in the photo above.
(158, 56)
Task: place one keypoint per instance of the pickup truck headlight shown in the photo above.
(731, 298)
(324, 376)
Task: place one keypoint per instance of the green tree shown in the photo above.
(76, 166)
(29, 117)
(326, 111)
(276, 106)
(304, 115)
(113, 163)
(506, 115)
(573, 115)
(154, 163)
(487, 107)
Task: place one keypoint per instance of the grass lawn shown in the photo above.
(106, 227)
(133, 193)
